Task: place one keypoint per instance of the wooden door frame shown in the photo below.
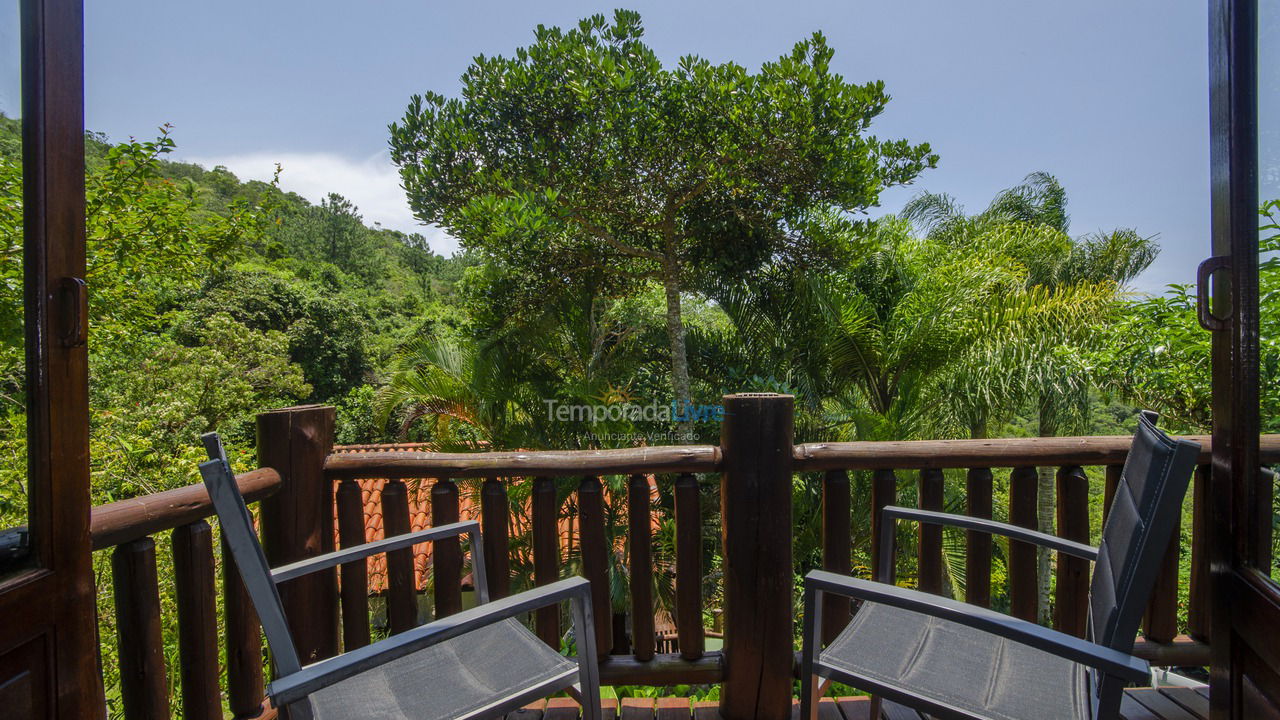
(1245, 603)
(53, 604)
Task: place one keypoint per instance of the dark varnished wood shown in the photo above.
(1023, 600)
(1239, 518)
(837, 547)
(402, 586)
(143, 685)
(546, 554)
(495, 520)
(1160, 624)
(995, 452)
(50, 648)
(355, 575)
(640, 556)
(196, 586)
(549, 463)
(664, 669)
(929, 546)
(1072, 592)
(595, 559)
(446, 556)
(755, 496)
(124, 520)
(977, 567)
(884, 491)
(1198, 592)
(297, 521)
(243, 640)
(689, 567)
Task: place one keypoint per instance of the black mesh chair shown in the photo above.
(479, 663)
(954, 660)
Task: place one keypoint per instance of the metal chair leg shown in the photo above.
(588, 671)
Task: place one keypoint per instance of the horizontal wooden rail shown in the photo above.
(127, 520)
(663, 670)
(542, 463)
(1005, 452)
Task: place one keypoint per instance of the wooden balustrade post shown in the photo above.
(1071, 605)
(640, 562)
(689, 567)
(977, 563)
(297, 521)
(546, 554)
(884, 492)
(1024, 598)
(355, 575)
(755, 494)
(402, 583)
(446, 556)
(196, 588)
(495, 516)
(595, 559)
(837, 548)
(243, 639)
(143, 685)
(1198, 595)
(929, 546)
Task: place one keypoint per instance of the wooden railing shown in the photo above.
(1069, 456)
(126, 528)
(496, 473)
(756, 461)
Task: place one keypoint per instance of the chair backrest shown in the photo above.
(1146, 509)
(238, 532)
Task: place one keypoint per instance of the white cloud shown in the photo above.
(372, 184)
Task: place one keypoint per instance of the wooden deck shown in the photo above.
(1139, 704)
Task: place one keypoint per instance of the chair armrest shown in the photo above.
(1072, 648)
(891, 513)
(358, 552)
(324, 673)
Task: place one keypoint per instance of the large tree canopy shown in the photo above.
(583, 151)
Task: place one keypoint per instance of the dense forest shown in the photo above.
(655, 275)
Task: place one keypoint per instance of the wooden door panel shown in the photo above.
(25, 688)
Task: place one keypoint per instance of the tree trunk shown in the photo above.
(679, 354)
(1046, 491)
(978, 428)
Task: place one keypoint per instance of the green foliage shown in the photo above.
(581, 160)
(1157, 356)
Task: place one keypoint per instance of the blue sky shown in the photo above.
(1109, 96)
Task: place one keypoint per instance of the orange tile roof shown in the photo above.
(419, 515)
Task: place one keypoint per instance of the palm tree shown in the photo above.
(1054, 376)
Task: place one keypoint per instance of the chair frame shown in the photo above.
(296, 682)
(1116, 665)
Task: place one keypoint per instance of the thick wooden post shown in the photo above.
(929, 544)
(837, 548)
(755, 494)
(1071, 609)
(495, 516)
(977, 564)
(546, 554)
(402, 582)
(640, 555)
(355, 575)
(143, 685)
(689, 567)
(595, 559)
(884, 491)
(243, 639)
(1023, 600)
(446, 557)
(197, 621)
(297, 521)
